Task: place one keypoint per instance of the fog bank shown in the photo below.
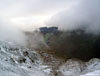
(86, 13)
(11, 33)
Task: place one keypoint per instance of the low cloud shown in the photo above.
(10, 33)
(86, 13)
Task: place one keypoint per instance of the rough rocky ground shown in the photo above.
(72, 67)
(18, 61)
(53, 63)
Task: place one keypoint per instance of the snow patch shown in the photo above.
(18, 61)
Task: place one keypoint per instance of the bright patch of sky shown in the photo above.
(25, 13)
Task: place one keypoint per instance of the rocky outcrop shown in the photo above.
(75, 67)
(19, 61)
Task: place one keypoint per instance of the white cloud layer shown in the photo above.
(19, 11)
(86, 13)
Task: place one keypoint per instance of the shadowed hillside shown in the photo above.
(74, 44)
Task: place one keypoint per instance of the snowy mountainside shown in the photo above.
(20, 61)
(17, 61)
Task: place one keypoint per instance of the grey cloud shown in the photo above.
(24, 7)
(10, 33)
(85, 14)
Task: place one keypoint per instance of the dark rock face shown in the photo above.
(45, 30)
(76, 44)
(25, 53)
(21, 60)
(97, 47)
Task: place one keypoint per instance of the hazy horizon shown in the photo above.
(30, 14)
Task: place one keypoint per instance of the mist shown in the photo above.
(35, 40)
(10, 33)
(80, 30)
(83, 14)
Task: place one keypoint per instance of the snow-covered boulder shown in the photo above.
(73, 67)
(92, 68)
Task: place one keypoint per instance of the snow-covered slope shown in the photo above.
(94, 73)
(17, 61)
(20, 61)
(93, 68)
(72, 67)
(75, 67)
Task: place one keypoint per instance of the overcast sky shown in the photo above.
(31, 12)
